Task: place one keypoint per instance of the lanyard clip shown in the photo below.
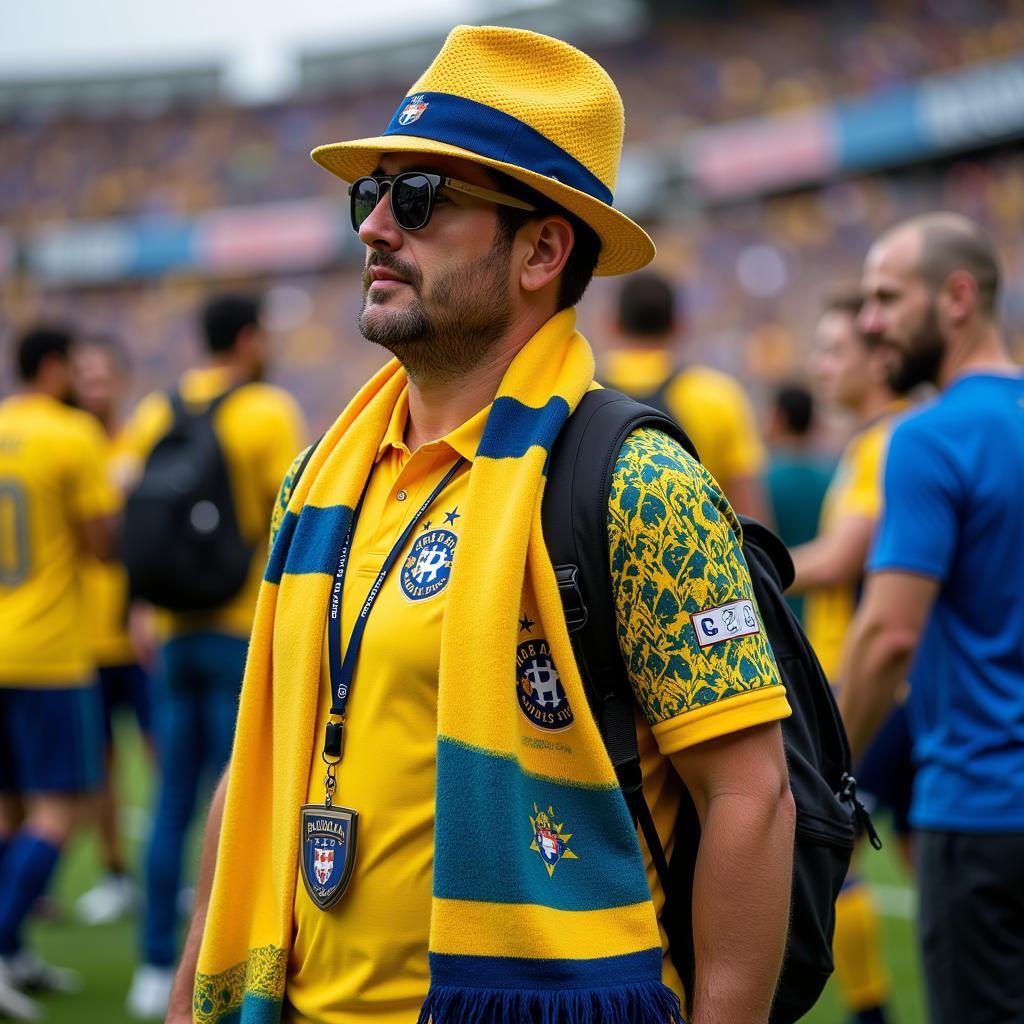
(334, 740)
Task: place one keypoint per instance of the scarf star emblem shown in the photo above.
(450, 517)
(426, 525)
(526, 624)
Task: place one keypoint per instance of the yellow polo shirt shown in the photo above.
(711, 407)
(855, 490)
(106, 587)
(52, 478)
(260, 428)
(365, 959)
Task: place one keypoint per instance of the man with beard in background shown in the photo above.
(945, 598)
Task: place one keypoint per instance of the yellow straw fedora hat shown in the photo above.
(531, 106)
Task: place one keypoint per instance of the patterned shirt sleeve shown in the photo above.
(675, 551)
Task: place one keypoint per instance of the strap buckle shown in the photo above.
(567, 578)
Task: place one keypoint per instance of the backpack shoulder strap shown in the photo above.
(181, 411)
(574, 517)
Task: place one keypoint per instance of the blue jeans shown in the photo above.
(195, 706)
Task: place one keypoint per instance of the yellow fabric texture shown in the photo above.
(52, 479)
(711, 407)
(260, 428)
(546, 84)
(857, 947)
(106, 589)
(855, 490)
(366, 960)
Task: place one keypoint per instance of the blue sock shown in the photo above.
(28, 865)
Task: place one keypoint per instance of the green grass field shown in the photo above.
(106, 955)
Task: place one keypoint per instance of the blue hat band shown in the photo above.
(494, 134)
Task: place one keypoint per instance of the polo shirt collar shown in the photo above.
(463, 440)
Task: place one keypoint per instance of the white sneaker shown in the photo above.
(150, 992)
(112, 898)
(27, 972)
(15, 1005)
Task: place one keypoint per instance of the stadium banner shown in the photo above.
(304, 234)
(938, 115)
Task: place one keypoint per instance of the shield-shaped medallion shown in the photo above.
(328, 852)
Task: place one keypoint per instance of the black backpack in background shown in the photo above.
(181, 544)
(575, 523)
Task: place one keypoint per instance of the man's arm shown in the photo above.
(880, 648)
(835, 558)
(98, 537)
(741, 892)
(179, 1010)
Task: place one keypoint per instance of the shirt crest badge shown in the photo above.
(539, 689)
(412, 111)
(549, 839)
(328, 852)
(428, 566)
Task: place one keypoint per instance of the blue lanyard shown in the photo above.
(343, 669)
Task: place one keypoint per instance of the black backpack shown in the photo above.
(574, 517)
(181, 544)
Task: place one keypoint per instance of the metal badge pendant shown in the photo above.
(328, 851)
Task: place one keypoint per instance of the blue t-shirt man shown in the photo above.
(954, 512)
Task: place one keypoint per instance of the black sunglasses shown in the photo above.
(412, 195)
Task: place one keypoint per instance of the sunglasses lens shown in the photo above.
(365, 194)
(411, 201)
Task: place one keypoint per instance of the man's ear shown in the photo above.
(960, 292)
(549, 241)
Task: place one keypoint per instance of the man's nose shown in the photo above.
(379, 230)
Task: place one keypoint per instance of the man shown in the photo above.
(710, 405)
(498, 874)
(55, 505)
(100, 381)
(944, 595)
(798, 471)
(200, 665)
(852, 372)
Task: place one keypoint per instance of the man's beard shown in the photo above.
(921, 360)
(443, 334)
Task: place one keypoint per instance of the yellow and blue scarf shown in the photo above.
(510, 940)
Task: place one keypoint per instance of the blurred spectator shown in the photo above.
(100, 379)
(710, 405)
(197, 681)
(798, 473)
(944, 603)
(55, 503)
(852, 372)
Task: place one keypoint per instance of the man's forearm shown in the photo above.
(179, 1009)
(741, 906)
(876, 661)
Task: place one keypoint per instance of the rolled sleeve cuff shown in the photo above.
(752, 707)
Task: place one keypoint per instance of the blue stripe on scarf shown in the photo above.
(490, 132)
(255, 1009)
(513, 428)
(484, 805)
(308, 543)
(499, 990)
(518, 972)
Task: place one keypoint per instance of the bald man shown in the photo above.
(944, 603)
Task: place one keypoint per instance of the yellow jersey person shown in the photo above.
(420, 819)
(200, 666)
(56, 504)
(101, 378)
(853, 372)
(711, 406)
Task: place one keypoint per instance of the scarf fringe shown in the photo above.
(644, 1003)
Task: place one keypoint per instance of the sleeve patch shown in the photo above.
(713, 625)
